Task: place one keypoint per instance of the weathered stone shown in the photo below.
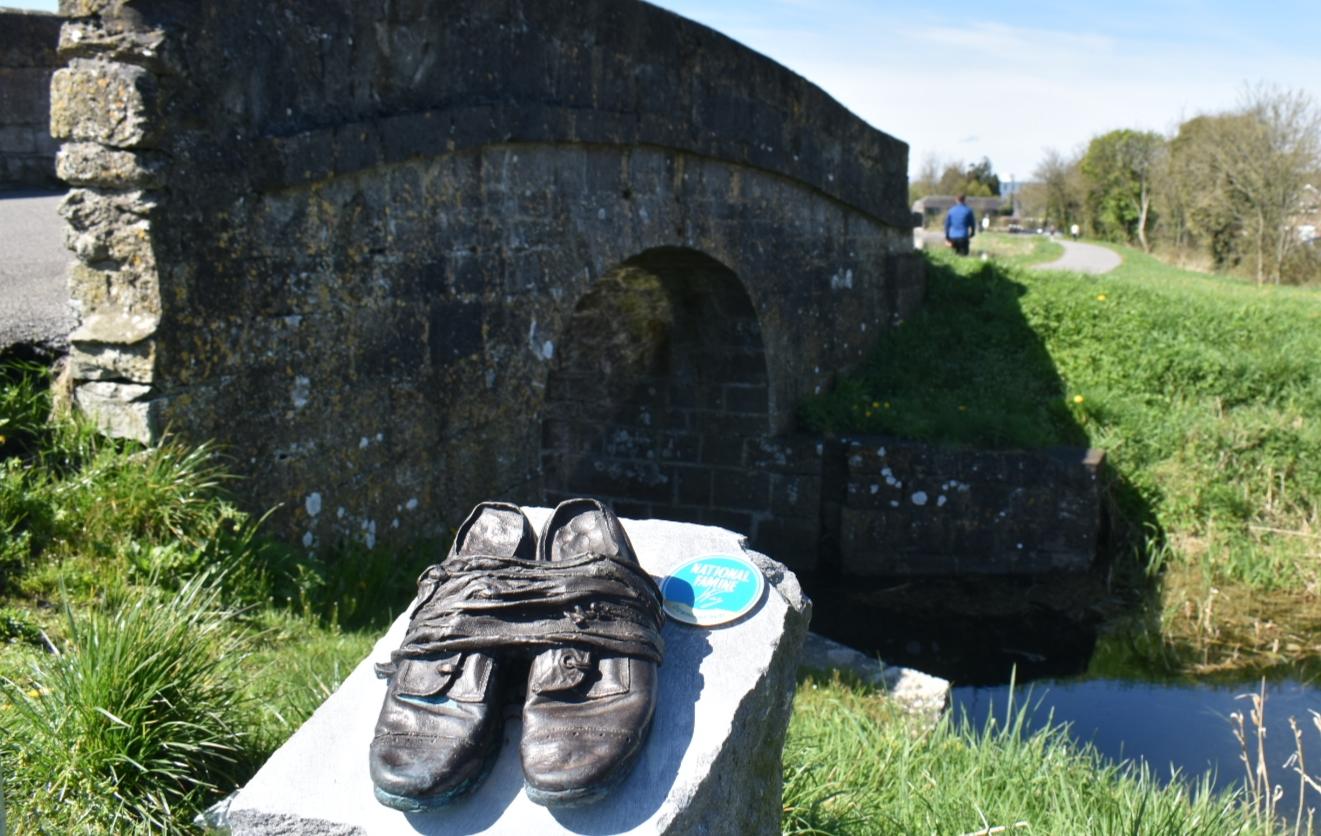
(109, 103)
(920, 694)
(98, 361)
(120, 410)
(711, 764)
(375, 207)
(87, 8)
(90, 164)
(115, 328)
(111, 229)
(117, 39)
(95, 291)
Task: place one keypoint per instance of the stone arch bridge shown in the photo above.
(401, 256)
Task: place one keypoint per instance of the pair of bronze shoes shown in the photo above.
(571, 613)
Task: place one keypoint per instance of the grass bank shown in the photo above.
(855, 764)
(1204, 392)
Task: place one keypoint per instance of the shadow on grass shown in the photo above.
(970, 370)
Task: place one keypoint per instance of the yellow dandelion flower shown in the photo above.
(886, 404)
(1077, 398)
(1100, 297)
(874, 405)
(2, 439)
(34, 693)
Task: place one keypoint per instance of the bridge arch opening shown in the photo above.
(658, 387)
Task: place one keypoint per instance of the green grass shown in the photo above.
(1204, 393)
(135, 723)
(189, 645)
(854, 764)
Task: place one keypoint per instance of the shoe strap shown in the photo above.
(490, 602)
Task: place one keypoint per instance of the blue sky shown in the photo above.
(1009, 79)
(962, 80)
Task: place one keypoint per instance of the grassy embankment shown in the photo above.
(156, 648)
(1204, 392)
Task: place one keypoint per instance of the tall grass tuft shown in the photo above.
(138, 721)
(1263, 795)
(855, 764)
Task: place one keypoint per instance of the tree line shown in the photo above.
(1235, 190)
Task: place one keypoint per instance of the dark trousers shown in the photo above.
(960, 245)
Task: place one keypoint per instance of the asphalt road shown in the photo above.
(1083, 258)
(34, 295)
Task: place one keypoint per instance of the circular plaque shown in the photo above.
(712, 589)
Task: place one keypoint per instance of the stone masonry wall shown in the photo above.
(27, 61)
(913, 509)
(349, 239)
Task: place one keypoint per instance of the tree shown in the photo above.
(1120, 167)
(984, 175)
(1266, 157)
(1199, 208)
(1061, 181)
(925, 182)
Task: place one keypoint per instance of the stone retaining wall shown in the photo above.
(912, 509)
(878, 507)
(27, 61)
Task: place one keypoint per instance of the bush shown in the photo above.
(135, 725)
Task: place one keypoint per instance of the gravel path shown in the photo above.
(34, 296)
(1083, 258)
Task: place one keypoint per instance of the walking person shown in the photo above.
(960, 226)
(1075, 231)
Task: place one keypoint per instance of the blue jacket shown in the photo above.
(960, 223)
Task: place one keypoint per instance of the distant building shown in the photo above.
(1307, 219)
(933, 207)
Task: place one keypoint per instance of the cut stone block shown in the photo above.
(711, 764)
(920, 694)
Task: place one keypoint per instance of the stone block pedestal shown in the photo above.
(711, 764)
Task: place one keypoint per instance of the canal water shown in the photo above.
(1171, 727)
(1109, 693)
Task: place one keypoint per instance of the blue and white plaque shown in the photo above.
(712, 589)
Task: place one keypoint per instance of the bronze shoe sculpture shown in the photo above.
(589, 706)
(586, 613)
(439, 730)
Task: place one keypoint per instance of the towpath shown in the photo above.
(1083, 258)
